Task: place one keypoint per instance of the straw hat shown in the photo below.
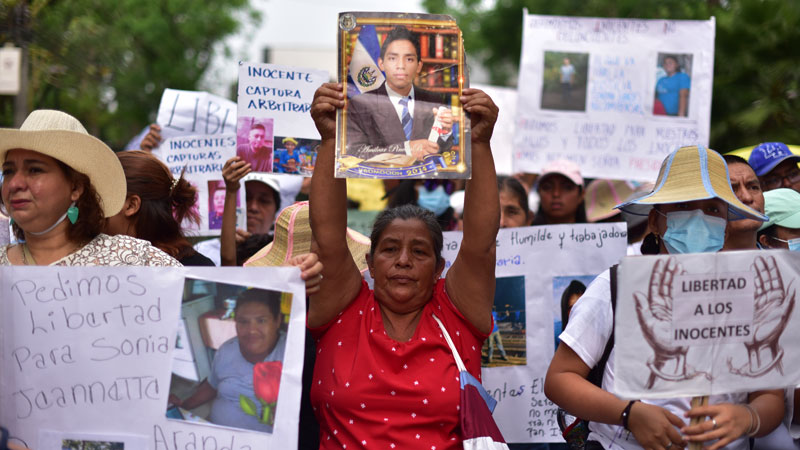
(603, 195)
(62, 137)
(694, 173)
(293, 237)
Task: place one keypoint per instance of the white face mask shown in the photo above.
(50, 228)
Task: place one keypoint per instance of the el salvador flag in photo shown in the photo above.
(364, 73)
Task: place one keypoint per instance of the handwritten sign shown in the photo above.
(185, 113)
(88, 351)
(532, 262)
(706, 324)
(201, 158)
(613, 95)
(277, 100)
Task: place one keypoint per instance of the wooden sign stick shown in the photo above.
(698, 401)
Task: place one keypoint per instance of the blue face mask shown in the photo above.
(794, 244)
(436, 200)
(694, 232)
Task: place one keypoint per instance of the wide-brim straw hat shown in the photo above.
(694, 173)
(293, 238)
(603, 195)
(62, 137)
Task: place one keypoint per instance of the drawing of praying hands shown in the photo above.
(773, 308)
(654, 312)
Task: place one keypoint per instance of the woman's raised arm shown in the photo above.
(328, 213)
(470, 281)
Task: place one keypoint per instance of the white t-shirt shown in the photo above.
(589, 328)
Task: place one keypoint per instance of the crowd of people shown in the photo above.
(75, 202)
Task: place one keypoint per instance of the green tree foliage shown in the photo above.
(107, 62)
(757, 75)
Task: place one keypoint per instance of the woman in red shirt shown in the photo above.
(384, 375)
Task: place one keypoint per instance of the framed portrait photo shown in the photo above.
(402, 75)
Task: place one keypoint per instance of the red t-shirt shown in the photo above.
(370, 391)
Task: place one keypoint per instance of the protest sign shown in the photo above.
(613, 95)
(275, 130)
(503, 135)
(89, 352)
(401, 120)
(200, 159)
(534, 267)
(185, 113)
(706, 324)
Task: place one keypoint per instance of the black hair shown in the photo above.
(575, 287)
(674, 58)
(250, 246)
(270, 299)
(408, 212)
(258, 125)
(730, 159)
(771, 232)
(401, 33)
(513, 186)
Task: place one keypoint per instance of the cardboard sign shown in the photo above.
(89, 351)
(613, 95)
(401, 122)
(706, 324)
(201, 158)
(187, 113)
(275, 132)
(534, 267)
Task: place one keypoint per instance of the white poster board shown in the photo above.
(201, 158)
(276, 100)
(707, 324)
(88, 351)
(534, 265)
(188, 113)
(503, 135)
(10, 65)
(606, 93)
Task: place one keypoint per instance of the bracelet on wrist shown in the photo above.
(626, 414)
(755, 421)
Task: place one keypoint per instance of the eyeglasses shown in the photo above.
(774, 181)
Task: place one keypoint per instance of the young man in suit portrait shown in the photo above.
(397, 117)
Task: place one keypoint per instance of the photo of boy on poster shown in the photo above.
(254, 142)
(564, 80)
(506, 344)
(216, 203)
(390, 120)
(242, 389)
(295, 155)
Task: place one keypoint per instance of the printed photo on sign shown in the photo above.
(403, 74)
(254, 142)
(237, 337)
(216, 203)
(506, 344)
(673, 85)
(564, 81)
(566, 292)
(71, 444)
(295, 155)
